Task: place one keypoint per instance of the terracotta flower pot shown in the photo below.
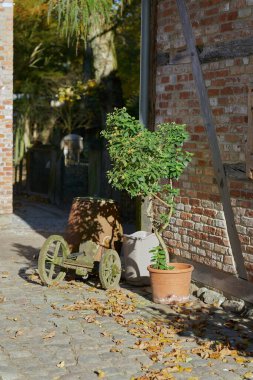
(170, 286)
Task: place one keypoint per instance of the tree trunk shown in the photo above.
(102, 65)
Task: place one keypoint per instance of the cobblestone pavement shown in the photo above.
(78, 331)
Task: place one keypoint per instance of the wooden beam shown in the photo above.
(229, 49)
(223, 50)
(236, 171)
(249, 144)
(213, 142)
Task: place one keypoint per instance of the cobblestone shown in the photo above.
(40, 340)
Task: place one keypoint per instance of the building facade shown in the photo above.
(223, 31)
(6, 108)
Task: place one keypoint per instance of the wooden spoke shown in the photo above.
(51, 272)
(57, 248)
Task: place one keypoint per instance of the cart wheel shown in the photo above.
(52, 255)
(109, 269)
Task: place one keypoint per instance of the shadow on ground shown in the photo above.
(204, 324)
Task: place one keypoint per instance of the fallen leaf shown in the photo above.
(248, 375)
(118, 342)
(61, 364)
(5, 274)
(17, 334)
(100, 374)
(12, 319)
(115, 349)
(156, 357)
(90, 318)
(141, 345)
(57, 315)
(240, 360)
(214, 355)
(34, 278)
(49, 335)
(227, 352)
(2, 298)
(95, 290)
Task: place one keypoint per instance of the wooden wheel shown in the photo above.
(109, 269)
(52, 255)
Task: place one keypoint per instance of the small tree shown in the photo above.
(145, 163)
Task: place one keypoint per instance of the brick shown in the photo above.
(244, 12)
(213, 92)
(226, 27)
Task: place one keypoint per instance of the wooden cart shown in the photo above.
(55, 259)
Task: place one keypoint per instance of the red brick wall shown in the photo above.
(198, 231)
(6, 58)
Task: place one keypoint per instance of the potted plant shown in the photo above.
(145, 164)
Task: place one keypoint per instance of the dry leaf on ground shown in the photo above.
(49, 335)
(100, 373)
(248, 375)
(61, 364)
(17, 334)
(90, 318)
(115, 349)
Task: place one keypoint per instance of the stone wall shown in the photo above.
(198, 231)
(6, 61)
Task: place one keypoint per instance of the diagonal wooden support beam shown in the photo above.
(213, 142)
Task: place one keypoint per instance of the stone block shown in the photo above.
(233, 306)
(211, 297)
(201, 291)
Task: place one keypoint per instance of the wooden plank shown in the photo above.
(213, 142)
(236, 171)
(229, 49)
(223, 50)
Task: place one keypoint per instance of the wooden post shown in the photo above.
(213, 142)
(143, 222)
(249, 146)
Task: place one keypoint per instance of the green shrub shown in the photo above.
(145, 163)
